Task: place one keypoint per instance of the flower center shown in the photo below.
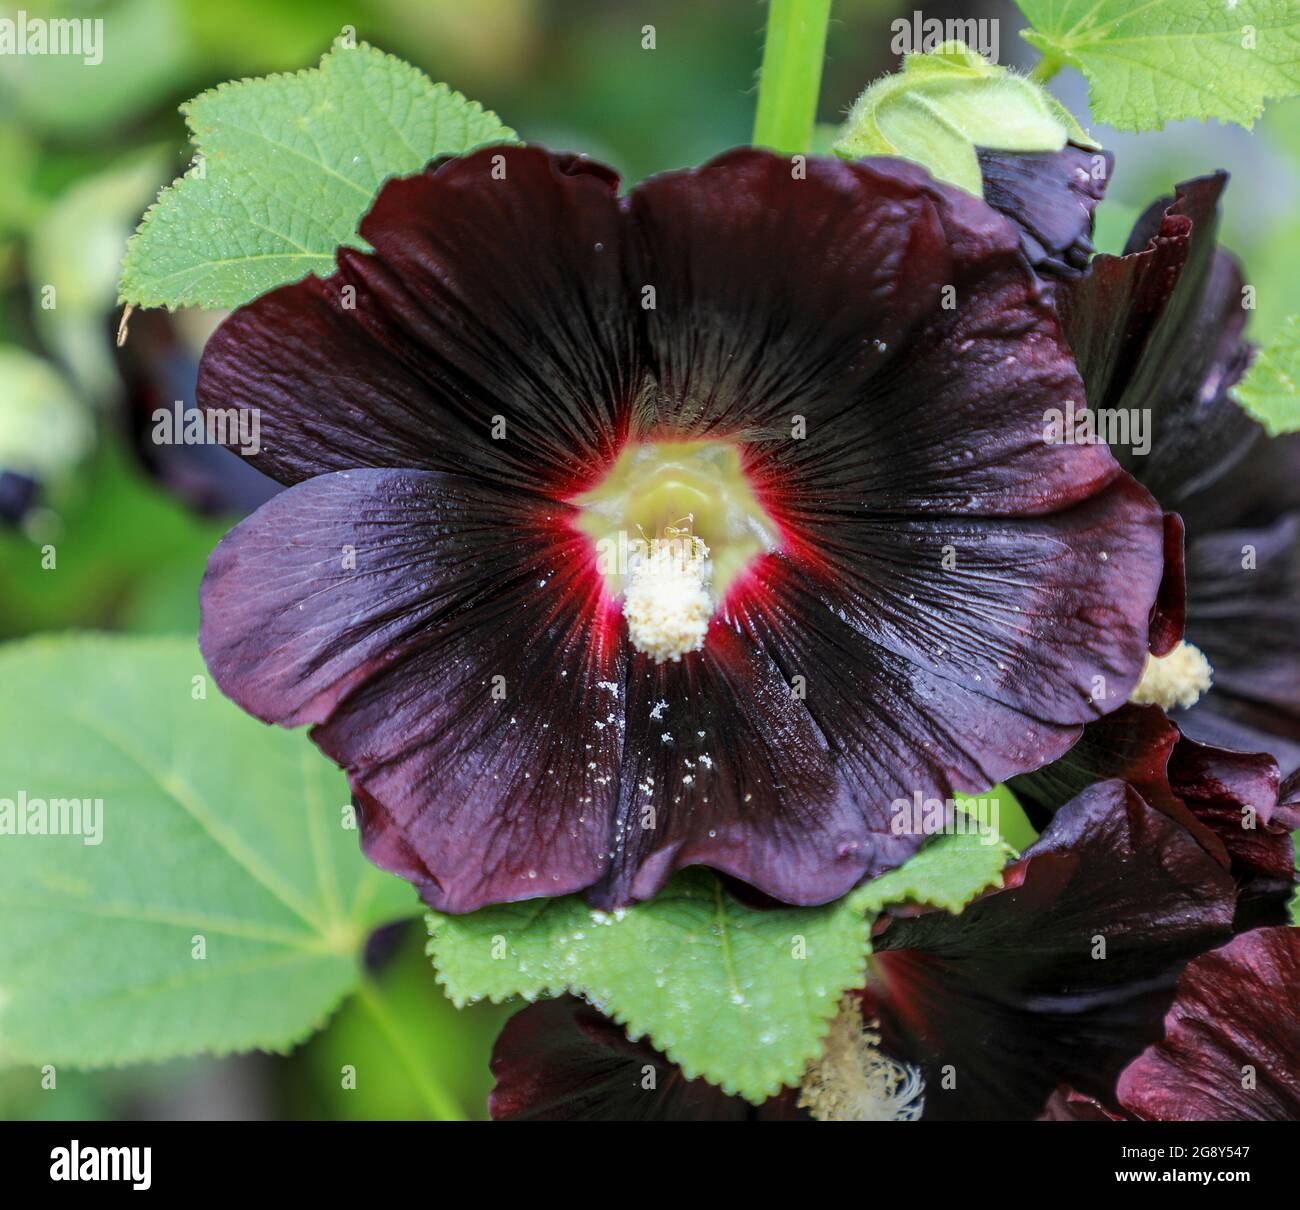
(854, 1082)
(1176, 679)
(674, 523)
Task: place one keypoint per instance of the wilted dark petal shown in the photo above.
(1227, 799)
(1231, 1046)
(1010, 993)
(460, 658)
(848, 330)
(1159, 330)
(1235, 794)
(561, 1061)
(496, 292)
(1133, 744)
(1050, 196)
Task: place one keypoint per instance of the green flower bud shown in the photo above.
(946, 103)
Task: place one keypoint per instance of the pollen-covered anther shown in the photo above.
(1176, 679)
(854, 1082)
(668, 604)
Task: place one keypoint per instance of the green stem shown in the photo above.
(1045, 69)
(438, 1102)
(790, 79)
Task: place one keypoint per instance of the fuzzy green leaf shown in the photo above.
(287, 166)
(1270, 390)
(212, 826)
(740, 996)
(1158, 61)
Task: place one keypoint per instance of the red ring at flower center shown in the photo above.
(672, 525)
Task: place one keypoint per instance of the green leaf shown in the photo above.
(1295, 898)
(740, 996)
(212, 826)
(287, 167)
(1000, 811)
(1270, 390)
(1161, 60)
(945, 104)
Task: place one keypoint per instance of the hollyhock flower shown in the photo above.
(815, 389)
(1061, 976)
(1231, 1045)
(1232, 801)
(995, 1004)
(1160, 330)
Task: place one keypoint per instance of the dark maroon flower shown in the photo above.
(1231, 1045)
(834, 381)
(1162, 328)
(1000, 1004)
(1229, 800)
(1231, 1049)
(561, 1061)
(1059, 978)
(1050, 196)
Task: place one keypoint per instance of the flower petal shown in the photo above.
(1050, 196)
(561, 1061)
(1231, 1046)
(1010, 997)
(491, 332)
(1169, 613)
(453, 645)
(1227, 799)
(1244, 613)
(1013, 616)
(1133, 744)
(1159, 329)
(873, 310)
(723, 765)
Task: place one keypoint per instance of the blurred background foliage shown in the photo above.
(83, 151)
